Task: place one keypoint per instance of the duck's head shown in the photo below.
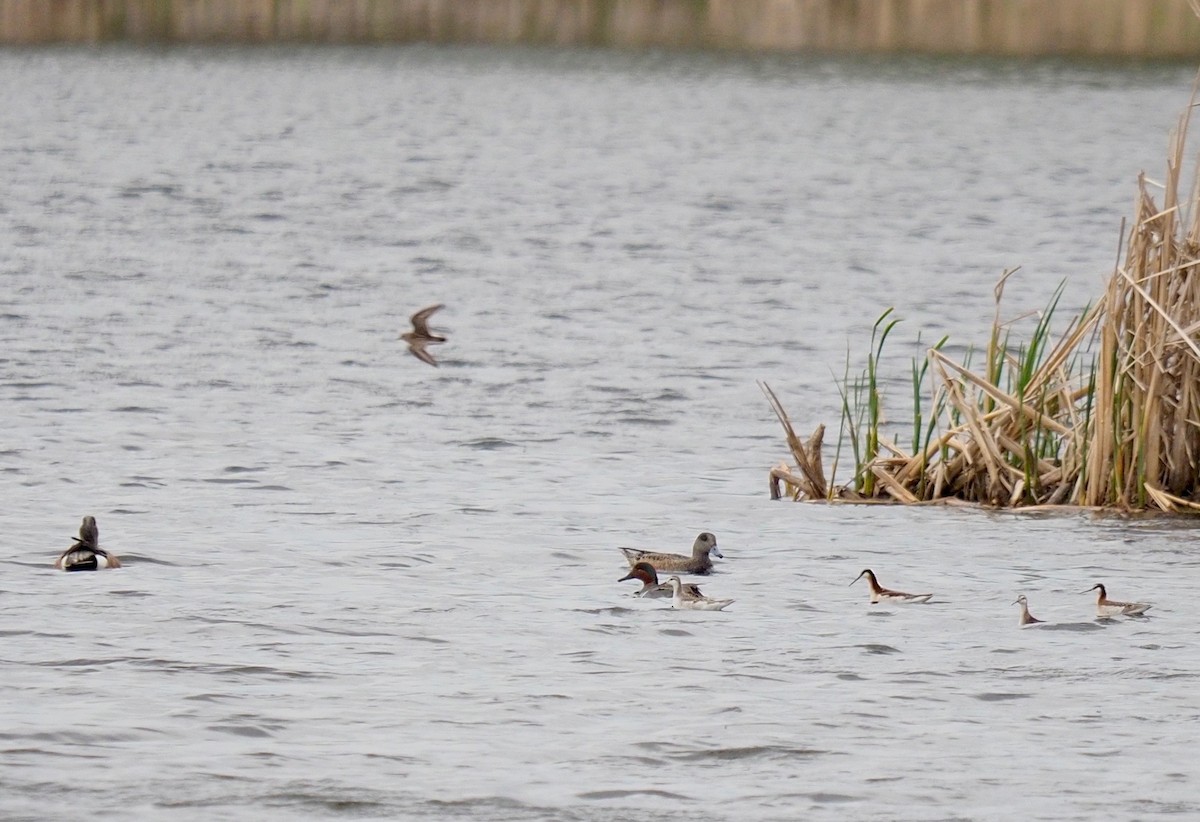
(89, 534)
(706, 543)
(643, 571)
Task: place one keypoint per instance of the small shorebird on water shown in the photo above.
(86, 554)
(1106, 607)
(698, 563)
(421, 336)
(1026, 617)
(644, 572)
(703, 603)
(881, 594)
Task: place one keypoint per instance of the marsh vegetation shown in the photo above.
(1104, 413)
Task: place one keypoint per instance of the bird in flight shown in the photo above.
(420, 336)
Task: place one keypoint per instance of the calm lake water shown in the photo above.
(359, 587)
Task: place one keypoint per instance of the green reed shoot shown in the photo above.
(879, 335)
(851, 422)
(922, 438)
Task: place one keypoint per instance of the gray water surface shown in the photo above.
(359, 587)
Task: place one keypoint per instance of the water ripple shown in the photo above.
(359, 586)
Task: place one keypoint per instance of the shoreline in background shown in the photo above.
(1150, 29)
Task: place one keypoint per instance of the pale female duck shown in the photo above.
(1026, 617)
(1106, 607)
(702, 603)
(881, 594)
(698, 563)
(651, 587)
(86, 554)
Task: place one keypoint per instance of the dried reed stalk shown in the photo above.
(1106, 417)
(811, 481)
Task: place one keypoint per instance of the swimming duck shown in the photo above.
(86, 554)
(703, 603)
(881, 594)
(1026, 617)
(651, 587)
(1106, 607)
(698, 563)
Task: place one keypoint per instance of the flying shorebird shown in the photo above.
(420, 336)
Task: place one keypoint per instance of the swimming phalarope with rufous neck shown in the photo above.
(698, 563)
(1106, 607)
(881, 594)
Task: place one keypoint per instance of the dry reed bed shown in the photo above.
(1108, 28)
(1105, 416)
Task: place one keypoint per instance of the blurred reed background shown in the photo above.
(1154, 29)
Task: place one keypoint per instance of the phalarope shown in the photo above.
(1106, 607)
(421, 336)
(86, 554)
(698, 563)
(703, 603)
(1026, 617)
(881, 594)
(651, 587)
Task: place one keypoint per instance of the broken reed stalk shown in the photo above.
(1108, 416)
(811, 481)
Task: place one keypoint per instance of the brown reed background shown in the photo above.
(1157, 29)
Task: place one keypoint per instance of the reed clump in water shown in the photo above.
(1106, 415)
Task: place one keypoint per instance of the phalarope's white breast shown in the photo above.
(881, 594)
(86, 554)
(651, 587)
(698, 563)
(1106, 607)
(702, 603)
(1026, 617)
